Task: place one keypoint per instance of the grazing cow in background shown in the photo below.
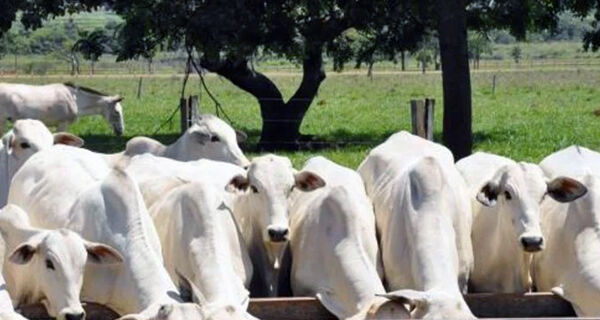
(6, 308)
(334, 247)
(66, 187)
(423, 219)
(209, 137)
(47, 265)
(201, 241)
(261, 210)
(58, 105)
(23, 140)
(505, 198)
(569, 265)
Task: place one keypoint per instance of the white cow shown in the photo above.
(23, 140)
(423, 220)
(47, 265)
(58, 104)
(261, 211)
(505, 198)
(209, 137)
(201, 241)
(334, 246)
(65, 187)
(570, 264)
(260, 204)
(6, 308)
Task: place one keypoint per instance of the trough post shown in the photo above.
(421, 112)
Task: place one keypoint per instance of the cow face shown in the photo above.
(269, 182)
(432, 304)
(113, 113)
(211, 138)
(518, 190)
(54, 262)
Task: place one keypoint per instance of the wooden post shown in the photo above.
(139, 95)
(193, 110)
(183, 112)
(422, 117)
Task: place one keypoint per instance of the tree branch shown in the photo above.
(239, 73)
(313, 75)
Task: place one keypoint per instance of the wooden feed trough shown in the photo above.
(530, 305)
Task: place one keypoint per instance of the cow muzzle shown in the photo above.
(532, 243)
(278, 234)
(75, 316)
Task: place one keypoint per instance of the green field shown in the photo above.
(530, 115)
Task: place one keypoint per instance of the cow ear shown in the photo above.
(239, 182)
(102, 254)
(189, 292)
(563, 189)
(68, 139)
(308, 181)
(23, 253)
(241, 136)
(415, 299)
(488, 195)
(8, 141)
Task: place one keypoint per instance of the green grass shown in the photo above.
(530, 115)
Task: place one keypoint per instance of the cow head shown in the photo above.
(432, 304)
(211, 138)
(112, 111)
(269, 182)
(197, 308)
(30, 136)
(54, 261)
(518, 191)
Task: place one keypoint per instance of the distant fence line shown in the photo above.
(177, 66)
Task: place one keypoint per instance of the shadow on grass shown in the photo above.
(106, 143)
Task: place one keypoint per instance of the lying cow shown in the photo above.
(23, 140)
(506, 197)
(58, 104)
(200, 240)
(209, 137)
(66, 187)
(423, 220)
(334, 248)
(569, 265)
(47, 265)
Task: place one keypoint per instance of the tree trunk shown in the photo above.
(370, 70)
(456, 79)
(281, 120)
(16, 64)
(403, 60)
(93, 71)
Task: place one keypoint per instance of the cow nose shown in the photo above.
(532, 244)
(75, 316)
(278, 234)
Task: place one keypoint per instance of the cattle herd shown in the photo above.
(193, 229)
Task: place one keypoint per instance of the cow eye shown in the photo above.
(25, 145)
(254, 189)
(163, 312)
(507, 195)
(49, 264)
(214, 139)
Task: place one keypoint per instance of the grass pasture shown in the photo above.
(531, 113)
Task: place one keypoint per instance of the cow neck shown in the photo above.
(175, 149)
(213, 263)
(87, 103)
(266, 267)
